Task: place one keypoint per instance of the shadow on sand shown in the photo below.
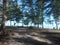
(30, 41)
(53, 37)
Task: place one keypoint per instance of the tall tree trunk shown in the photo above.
(4, 16)
(42, 26)
(10, 23)
(22, 24)
(31, 24)
(38, 25)
(56, 24)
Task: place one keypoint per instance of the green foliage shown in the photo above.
(56, 8)
(34, 15)
(13, 12)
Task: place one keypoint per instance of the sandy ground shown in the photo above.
(21, 37)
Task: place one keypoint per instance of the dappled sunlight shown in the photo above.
(29, 22)
(39, 39)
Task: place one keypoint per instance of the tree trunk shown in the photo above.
(38, 26)
(56, 24)
(4, 16)
(22, 24)
(42, 25)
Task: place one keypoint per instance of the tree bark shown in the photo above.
(4, 16)
(42, 25)
(56, 24)
(10, 22)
